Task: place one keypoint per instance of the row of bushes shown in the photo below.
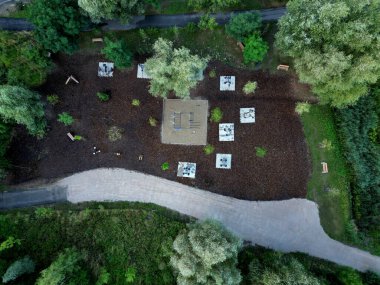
(145, 244)
(358, 127)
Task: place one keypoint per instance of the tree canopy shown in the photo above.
(173, 70)
(23, 60)
(212, 5)
(18, 268)
(243, 25)
(335, 46)
(206, 253)
(57, 22)
(21, 106)
(99, 10)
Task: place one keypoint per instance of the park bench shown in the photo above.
(71, 136)
(240, 45)
(324, 167)
(283, 67)
(97, 40)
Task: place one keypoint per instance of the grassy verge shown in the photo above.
(215, 44)
(170, 7)
(113, 236)
(330, 191)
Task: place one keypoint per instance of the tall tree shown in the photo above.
(335, 45)
(173, 69)
(23, 59)
(206, 253)
(58, 23)
(24, 107)
(244, 25)
(66, 269)
(99, 10)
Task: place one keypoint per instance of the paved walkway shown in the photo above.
(159, 21)
(291, 225)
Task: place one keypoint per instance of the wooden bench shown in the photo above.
(97, 40)
(325, 169)
(240, 45)
(71, 136)
(283, 67)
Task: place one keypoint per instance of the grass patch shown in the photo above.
(215, 44)
(113, 236)
(330, 191)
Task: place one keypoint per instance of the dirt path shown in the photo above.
(291, 225)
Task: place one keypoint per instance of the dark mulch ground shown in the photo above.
(281, 174)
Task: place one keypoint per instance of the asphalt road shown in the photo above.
(290, 225)
(159, 21)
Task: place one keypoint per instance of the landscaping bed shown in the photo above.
(281, 174)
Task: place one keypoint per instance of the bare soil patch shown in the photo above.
(281, 174)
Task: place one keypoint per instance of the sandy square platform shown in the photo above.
(223, 160)
(227, 83)
(184, 122)
(105, 69)
(186, 169)
(247, 115)
(226, 132)
(141, 72)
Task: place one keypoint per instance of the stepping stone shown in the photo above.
(223, 160)
(186, 169)
(141, 73)
(226, 132)
(227, 83)
(247, 115)
(105, 69)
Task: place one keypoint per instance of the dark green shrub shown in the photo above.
(207, 22)
(53, 99)
(243, 25)
(255, 49)
(117, 52)
(104, 97)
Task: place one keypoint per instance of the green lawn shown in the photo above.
(330, 191)
(115, 236)
(181, 6)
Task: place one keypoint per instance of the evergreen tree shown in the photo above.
(244, 25)
(18, 268)
(66, 269)
(335, 46)
(24, 107)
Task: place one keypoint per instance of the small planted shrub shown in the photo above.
(260, 151)
(326, 144)
(165, 166)
(207, 22)
(53, 99)
(104, 97)
(216, 115)
(136, 103)
(191, 27)
(78, 138)
(302, 108)
(115, 133)
(65, 118)
(250, 87)
(208, 149)
(212, 73)
(42, 212)
(152, 121)
(118, 52)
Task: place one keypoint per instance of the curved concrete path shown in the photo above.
(159, 21)
(291, 225)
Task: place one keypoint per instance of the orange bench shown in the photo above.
(283, 67)
(325, 169)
